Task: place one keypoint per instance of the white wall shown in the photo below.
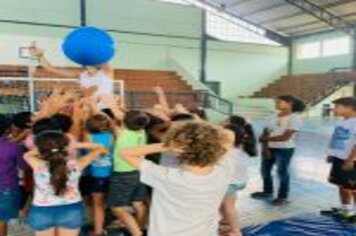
(242, 68)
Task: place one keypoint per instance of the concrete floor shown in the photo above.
(310, 191)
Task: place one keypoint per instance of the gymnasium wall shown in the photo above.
(320, 64)
(242, 68)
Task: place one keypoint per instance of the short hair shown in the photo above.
(5, 125)
(98, 123)
(346, 102)
(108, 112)
(62, 122)
(44, 124)
(22, 120)
(200, 142)
(136, 120)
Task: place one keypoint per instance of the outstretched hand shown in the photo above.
(35, 51)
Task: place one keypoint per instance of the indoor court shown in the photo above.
(178, 117)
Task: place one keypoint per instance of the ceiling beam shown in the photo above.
(263, 9)
(310, 32)
(311, 23)
(279, 18)
(323, 15)
(236, 3)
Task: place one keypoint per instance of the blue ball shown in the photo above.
(89, 46)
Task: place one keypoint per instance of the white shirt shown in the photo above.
(278, 125)
(184, 204)
(343, 139)
(240, 164)
(105, 85)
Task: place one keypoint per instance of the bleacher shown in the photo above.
(312, 88)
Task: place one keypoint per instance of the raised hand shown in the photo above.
(35, 51)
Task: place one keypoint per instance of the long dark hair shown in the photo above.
(52, 147)
(245, 134)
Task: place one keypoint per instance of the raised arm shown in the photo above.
(108, 70)
(39, 53)
(86, 160)
(162, 99)
(134, 156)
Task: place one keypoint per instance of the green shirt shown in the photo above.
(128, 138)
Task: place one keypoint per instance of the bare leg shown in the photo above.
(141, 214)
(346, 197)
(3, 228)
(48, 232)
(129, 221)
(98, 212)
(354, 198)
(67, 232)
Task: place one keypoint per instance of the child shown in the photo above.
(57, 205)
(97, 80)
(186, 198)
(342, 155)
(279, 139)
(250, 142)
(20, 130)
(10, 161)
(99, 131)
(242, 149)
(125, 188)
(21, 125)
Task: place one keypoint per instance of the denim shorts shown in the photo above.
(10, 201)
(69, 216)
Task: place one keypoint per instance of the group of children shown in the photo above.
(165, 169)
(74, 158)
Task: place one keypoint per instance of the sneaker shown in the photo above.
(279, 202)
(261, 195)
(332, 212)
(346, 215)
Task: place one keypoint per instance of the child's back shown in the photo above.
(128, 138)
(187, 197)
(102, 167)
(186, 203)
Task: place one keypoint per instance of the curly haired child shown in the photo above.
(186, 198)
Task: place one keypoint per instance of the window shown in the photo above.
(229, 28)
(309, 50)
(336, 46)
(224, 27)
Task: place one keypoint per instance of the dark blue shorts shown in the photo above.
(42, 218)
(10, 201)
(99, 185)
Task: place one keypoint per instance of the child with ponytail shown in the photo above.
(57, 208)
(244, 147)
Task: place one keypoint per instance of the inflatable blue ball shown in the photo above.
(89, 46)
